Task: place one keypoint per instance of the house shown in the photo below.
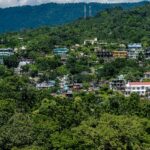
(119, 54)
(77, 86)
(147, 75)
(21, 64)
(118, 84)
(134, 50)
(69, 93)
(91, 41)
(147, 53)
(138, 87)
(64, 59)
(5, 52)
(45, 84)
(104, 54)
(122, 46)
(61, 51)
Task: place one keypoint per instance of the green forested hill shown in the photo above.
(33, 119)
(116, 24)
(19, 18)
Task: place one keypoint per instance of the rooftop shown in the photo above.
(61, 49)
(135, 45)
(139, 83)
(147, 72)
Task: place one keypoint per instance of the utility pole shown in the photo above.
(90, 11)
(85, 11)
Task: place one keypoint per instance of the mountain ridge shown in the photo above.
(111, 25)
(51, 14)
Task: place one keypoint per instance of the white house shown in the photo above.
(134, 50)
(142, 88)
(21, 64)
(48, 84)
(91, 41)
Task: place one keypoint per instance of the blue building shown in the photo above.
(60, 51)
(135, 45)
(5, 52)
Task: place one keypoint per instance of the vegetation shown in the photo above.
(44, 119)
(111, 25)
(20, 18)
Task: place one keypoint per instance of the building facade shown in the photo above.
(104, 54)
(91, 41)
(5, 52)
(60, 51)
(119, 54)
(141, 88)
(118, 84)
(147, 53)
(44, 85)
(134, 50)
(147, 75)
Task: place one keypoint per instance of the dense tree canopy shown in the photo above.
(95, 117)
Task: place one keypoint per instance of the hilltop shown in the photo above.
(19, 18)
(114, 25)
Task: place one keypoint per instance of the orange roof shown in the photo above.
(119, 51)
(139, 83)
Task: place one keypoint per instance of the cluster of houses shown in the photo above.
(141, 87)
(66, 87)
(120, 84)
(132, 52)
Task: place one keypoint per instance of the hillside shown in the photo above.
(18, 18)
(115, 25)
(74, 98)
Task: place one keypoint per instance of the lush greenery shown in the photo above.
(33, 119)
(20, 18)
(111, 25)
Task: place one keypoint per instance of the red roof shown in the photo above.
(139, 83)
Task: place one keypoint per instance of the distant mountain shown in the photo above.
(19, 18)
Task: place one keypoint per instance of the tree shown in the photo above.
(112, 132)
(11, 61)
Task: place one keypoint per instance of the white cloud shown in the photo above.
(11, 3)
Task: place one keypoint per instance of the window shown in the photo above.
(138, 88)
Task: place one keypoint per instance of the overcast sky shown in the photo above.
(10, 3)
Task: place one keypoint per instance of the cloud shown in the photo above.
(11, 3)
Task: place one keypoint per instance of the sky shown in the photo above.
(11, 3)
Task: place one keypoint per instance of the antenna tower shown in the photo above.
(90, 11)
(85, 11)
